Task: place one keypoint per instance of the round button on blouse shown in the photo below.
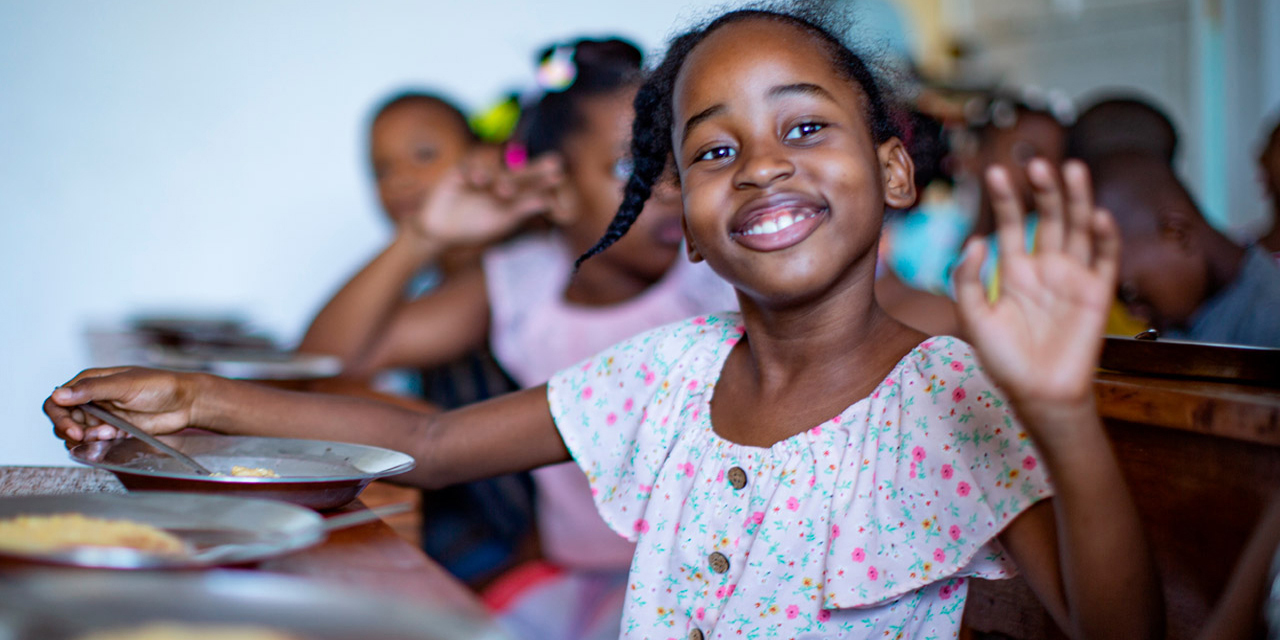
(718, 561)
(737, 478)
(695, 634)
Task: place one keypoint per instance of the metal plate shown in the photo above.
(246, 364)
(219, 529)
(1226, 362)
(315, 473)
(65, 605)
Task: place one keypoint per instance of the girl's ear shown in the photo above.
(899, 174)
(690, 249)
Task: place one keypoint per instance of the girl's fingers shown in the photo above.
(1106, 247)
(1080, 239)
(971, 294)
(1008, 213)
(1047, 194)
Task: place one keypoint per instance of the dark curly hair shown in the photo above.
(425, 98)
(601, 67)
(651, 132)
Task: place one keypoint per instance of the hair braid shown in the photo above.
(650, 150)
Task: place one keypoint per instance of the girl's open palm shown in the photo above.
(1041, 337)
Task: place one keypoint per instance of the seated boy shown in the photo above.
(1178, 272)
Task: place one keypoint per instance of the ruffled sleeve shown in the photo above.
(621, 411)
(937, 472)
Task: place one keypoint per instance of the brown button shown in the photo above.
(695, 634)
(719, 563)
(737, 478)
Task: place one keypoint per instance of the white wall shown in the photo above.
(160, 154)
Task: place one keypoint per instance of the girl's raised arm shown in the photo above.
(1086, 556)
(510, 433)
(370, 325)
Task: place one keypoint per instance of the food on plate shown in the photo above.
(44, 533)
(190, 631)
(253, 472)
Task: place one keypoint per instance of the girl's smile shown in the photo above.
(777, 222)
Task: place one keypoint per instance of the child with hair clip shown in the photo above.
(538, 317)
(808, 467)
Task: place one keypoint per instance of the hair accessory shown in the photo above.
(515, 155)
(558, 71)
(497, 123)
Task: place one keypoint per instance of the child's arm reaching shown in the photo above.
(369, 323)
(1085, 555)
(511, 433)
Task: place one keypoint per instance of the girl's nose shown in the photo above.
(762, 167)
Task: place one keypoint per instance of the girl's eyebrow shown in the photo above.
(799, 88)
(697, 118)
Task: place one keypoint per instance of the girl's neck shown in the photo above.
(599, 283)
(800, 366)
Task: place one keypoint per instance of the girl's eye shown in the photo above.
(718, 153)
(425, 154)
(804, 130)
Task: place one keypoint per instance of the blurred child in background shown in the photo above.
(1269, 172)
(415, 138)
(538, 316)
(1178, 272)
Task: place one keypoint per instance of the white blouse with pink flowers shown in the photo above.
(865, 526)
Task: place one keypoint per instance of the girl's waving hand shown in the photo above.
(1041, 336)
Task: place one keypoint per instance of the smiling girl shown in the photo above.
(808, 467)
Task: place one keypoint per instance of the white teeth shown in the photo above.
(773, 226)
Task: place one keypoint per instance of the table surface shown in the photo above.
(369, 556)
(1237, 411)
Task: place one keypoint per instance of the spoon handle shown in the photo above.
(360, 517)
(96, 410)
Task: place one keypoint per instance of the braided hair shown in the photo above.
(651, 148)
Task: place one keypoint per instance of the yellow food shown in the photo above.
(179, 631)
(253, 472)
(44, 533)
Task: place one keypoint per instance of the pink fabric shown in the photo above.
(534, 333)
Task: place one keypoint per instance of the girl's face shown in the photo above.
(597, 170)
(411, 146)
(784, 188)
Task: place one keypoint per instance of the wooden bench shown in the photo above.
(1202, 460)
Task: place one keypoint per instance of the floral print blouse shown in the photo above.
(865, 526)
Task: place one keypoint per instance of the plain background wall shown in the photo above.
(161, 155)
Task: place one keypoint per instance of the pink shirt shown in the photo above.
(535, 333)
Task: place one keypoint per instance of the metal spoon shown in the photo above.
(222, 552)
(97, 411)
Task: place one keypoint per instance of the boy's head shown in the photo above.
(1119, 124)
(1164, 269)
(413, 139)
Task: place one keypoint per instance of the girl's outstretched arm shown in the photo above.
(1084, 553)
(370, 325)
(510, 433)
